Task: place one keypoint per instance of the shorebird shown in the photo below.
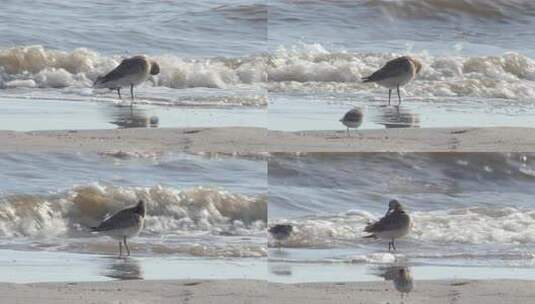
(352, 119)
(130, 72)
(394, 225)
(281, 232)
(124, 224)
(396, 73)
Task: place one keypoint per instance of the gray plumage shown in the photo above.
(281, 232)
(130, 72)
(352, 119)
(395, 224)
(124, 224)
(395, 73)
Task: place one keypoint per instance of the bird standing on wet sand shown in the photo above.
(281, 232)
(124, 224)
(352, 119)
(396, 73)
(130, 72)
(394, 225)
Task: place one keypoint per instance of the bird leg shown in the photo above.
(348, 132)
(399, 96)
(120, 249)
(389, 94)
(389, 245)
(119, 93)
(125, 245)
(132, 93)
(393, 246)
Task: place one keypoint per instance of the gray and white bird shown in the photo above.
(125, 224)
(352, 119)
(130, 72)
(394, 225)
(280, 232)
(396, 73)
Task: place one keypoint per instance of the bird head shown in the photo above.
(417, 64)
(394, 205)
(154, 68)
(140, 208)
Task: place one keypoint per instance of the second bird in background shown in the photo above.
(352, 119)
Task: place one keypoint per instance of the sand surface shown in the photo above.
(137, 291)
(424, 292)
(250, 291)
(242, 139)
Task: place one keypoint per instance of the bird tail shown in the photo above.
(366, 79)
(99, 81)
(371, 236)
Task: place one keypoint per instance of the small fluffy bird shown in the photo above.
(352, 119)
(394, 225)
(130, 72)
(281, 232)
(396, 73)
(123, 225)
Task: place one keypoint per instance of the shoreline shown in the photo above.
(256, 291)
(259, 140)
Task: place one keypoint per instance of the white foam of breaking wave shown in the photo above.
(169, 211)
(477, 225)
(311, 68)
(36, 66)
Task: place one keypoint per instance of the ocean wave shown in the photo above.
(312, 68)
(308, 68)
(37, 66)
(170, 212)
(476, 225)
(443, 9)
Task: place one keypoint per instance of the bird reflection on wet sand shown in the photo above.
(400, 276)
(397, 117)
(124, 117)
(123, 269)
(280, 269)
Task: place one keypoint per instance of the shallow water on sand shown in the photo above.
(42, 114)
(478, 57)
(204, 206)
(468, 210)
(27, 267)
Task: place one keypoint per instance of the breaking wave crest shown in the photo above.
(476, 225)
(37, 66)
(196, 219)
(311, 68)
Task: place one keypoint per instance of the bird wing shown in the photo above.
(391, 221)
(391, 69)
(128, 66)
(353, 115)
(122, 219)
